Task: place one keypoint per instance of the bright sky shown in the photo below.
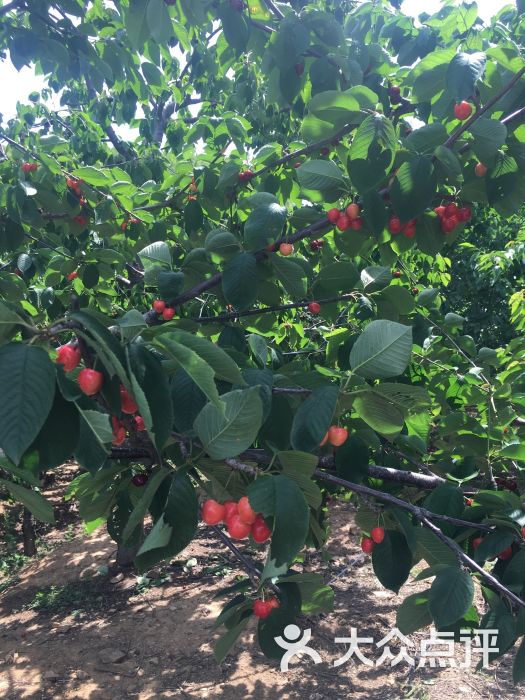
(17, 85)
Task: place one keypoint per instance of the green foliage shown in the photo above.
(246, 129)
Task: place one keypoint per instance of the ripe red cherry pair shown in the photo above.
(29, 167)
(335, 435)
(74, 185)
(263, 608)
(119, 429)
(451, 216)
(127, 223)
(166, 311)
(348, 218)
(408, 229)
(246, 175)
(377, 535)
(240, 519)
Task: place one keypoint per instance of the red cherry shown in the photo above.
(124, 226)
(464, 214)
(159, 305)
(409, 231)
(139, 423)
(367, 545)
(448, 224)
(353, 211)
(72, 275)
(333, 215)
(262, 608)
(325, 439)
(81, 220)
(415, 291)
(480, 170)
(213, 512)
(90, 381)
(168, 314)
(119, 432)
(395, 225)
(463, 110)
(299, 69)
(273, 603)
(396, 274)
(337, 436)
(316, 245)
(476, 542)
(451, 209)
(127, 403)
(231, 509)
(506, 554)
(286, 249)
(69, 356)
(140, 480)
(378, 534)
(246, 512)
(237, 528)
(246, 175)
(343, 222)
(325, 151)
(357, 224)
(468, 502)
(314, 307)
(70, 182)
(440, 211)
(260, 530)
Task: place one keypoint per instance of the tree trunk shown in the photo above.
(28, 533)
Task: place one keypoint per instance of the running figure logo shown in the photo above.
(294, 645)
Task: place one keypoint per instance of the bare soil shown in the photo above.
(97, 635)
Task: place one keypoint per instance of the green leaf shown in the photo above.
(219, 360)
(152, 393)
(264, 226)
(313, 418)
(450, 596)
(432, 549)
(414, 187)
(514, 451)
(239, 281)
(335, 278)
(379, 414)
(33, 501)
(463, 73)
(93, 176)
(230, 429)
(427, 138)
(197, 368)
(95, 437)
(489, 136)
(27, 387)
(63, 420)
(351, 459)
(392, 560)
(280, 497)
(159, 21)
(136, 25)
(383, 350)
(375, 131)
(375, 211)
(291, 275)
(300, 466)
(236, 31)
(139, 511)
(413, 614)
(446, 500)
(222, 243)
(224, 644)
(157, 253)
(322, 175)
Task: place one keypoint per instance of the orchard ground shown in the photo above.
(74, 628)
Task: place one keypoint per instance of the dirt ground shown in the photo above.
(72, 629)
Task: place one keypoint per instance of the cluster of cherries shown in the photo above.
(128, 222)
(335, 436)
(451, 216)
(29, 168)
(377, 535)
(74, 185)
(346, 218)
(408, 229)
(240, 519)
(91, 381)
(160, 306)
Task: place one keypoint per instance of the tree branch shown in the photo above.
(426, 517)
